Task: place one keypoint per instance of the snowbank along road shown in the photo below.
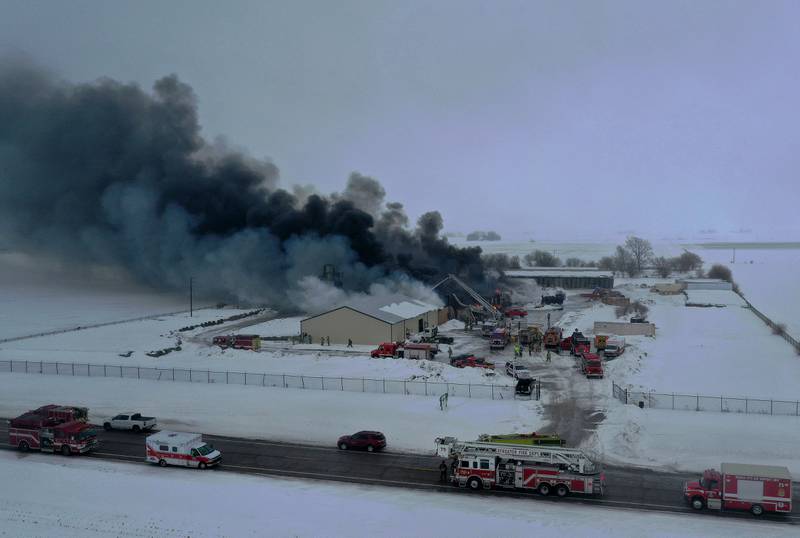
(641, 489)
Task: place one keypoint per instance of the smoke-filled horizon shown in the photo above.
(107, 173)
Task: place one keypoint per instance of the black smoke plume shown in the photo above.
(107, 173)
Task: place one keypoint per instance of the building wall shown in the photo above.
(709, 285)
(573, 282)
(345, 323)
(411, 325)
(624, 329)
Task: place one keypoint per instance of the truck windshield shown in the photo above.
(85, 434)
(205, 450)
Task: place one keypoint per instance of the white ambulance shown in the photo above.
(180, 448)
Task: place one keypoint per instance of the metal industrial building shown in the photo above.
(566, 277)
(372, 321)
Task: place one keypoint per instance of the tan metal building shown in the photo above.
(371, 321)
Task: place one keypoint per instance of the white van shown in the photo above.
(182, 449)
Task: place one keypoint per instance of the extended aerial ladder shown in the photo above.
(487, 306)
(572, 459)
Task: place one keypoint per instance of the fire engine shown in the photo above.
(53, 429)
(546, 469)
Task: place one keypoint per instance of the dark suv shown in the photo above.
(370, 441)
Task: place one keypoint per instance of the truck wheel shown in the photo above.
(136, 428)
(65, 450)
(202, 465)
(475, 484)
(697, 503)
(544, 489)
(162, 463)
(370, 448)
(24, 446)
(343, 446)
(756, 509)
(562, 490)
(107, 426)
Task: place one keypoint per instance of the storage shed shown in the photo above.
(372, 320)
(566, 277)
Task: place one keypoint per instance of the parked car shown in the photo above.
(473, 362)
(456, 358)
(130, 421)
(516, 313)
(367, 440)
(517, 371)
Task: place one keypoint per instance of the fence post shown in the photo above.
(302, 380)
(138, 373)
(173, 374)
(492, 392)
(770, 407)
(720, 404)
(73, 368)
(796, 408)
(626, 396)
(226, 377)
(26, 367)
(426, 387)
(208, 376)
(469, 389)
(673, 401)
(746, 401)
(697, 403)
(405, 387)
(284, 380)
(341, 383)
(190, 375)
(263, 380)
(105, 374)
(384, 385)
(362, 385)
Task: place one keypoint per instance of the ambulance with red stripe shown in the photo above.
(181, 449)
(547, 469)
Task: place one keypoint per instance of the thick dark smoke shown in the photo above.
(106, 173)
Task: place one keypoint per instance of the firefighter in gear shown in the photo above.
(443, 471)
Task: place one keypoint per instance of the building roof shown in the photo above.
(577, 272)
(700, 280)
(713, 298)
(764, 471)
(392, 309)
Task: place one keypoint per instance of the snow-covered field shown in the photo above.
(768, 278)
(691, 441)
(411, 423)
(148, 501)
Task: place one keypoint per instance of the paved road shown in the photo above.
(627, 487)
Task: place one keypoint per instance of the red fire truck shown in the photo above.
(238, 341)
(546, 469)
(43, 429)
(739, 486)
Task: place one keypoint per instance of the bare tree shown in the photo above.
(663, 266)
(573, 262)
(721, 272)
(542, 258)
(623, 262)
(606, 263)
(641, 251)
(688, 261)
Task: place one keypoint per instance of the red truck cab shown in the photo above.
(592, 365)
(386, 349)
(739, 486)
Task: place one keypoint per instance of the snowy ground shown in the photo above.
(411, 423)
(768, 278)
(143, 503)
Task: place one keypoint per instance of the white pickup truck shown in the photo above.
(130, 421)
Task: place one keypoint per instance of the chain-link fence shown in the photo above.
(349, 384)
(699, 402)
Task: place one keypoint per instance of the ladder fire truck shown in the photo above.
(546, 469)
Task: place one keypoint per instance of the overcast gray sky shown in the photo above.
(559, 119)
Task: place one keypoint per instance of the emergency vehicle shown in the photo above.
(739, 486)
(546, 469)
(182, 449)
(36, 430)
